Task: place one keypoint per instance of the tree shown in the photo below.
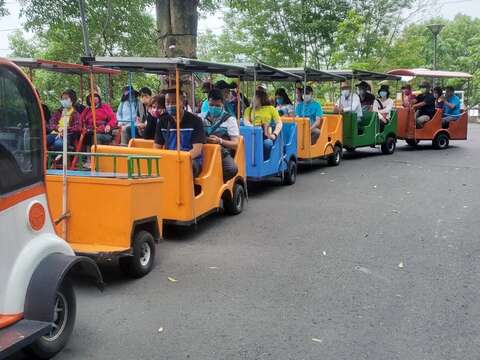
(3, 8)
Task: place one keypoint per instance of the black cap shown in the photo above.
(222, 85)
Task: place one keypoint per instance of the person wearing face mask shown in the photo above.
(67, 114)
(229, 102)
(383, 106)
(106, 120)
(129, 110)
(267, 117)
(283, 103)
(222, 128)
(192, 135)
(155, 109)
(424, 105)
(313, 110)
(348, 102)
(408, 98)
(439, 98)
(366, 97)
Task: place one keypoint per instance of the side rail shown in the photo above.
(138, 166)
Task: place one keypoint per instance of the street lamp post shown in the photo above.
(435, 29)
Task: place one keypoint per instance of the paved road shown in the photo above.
(312, 271)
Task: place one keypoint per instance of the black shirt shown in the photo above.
(368, 100)
(150, 127)
(191, 132)
(429, 107)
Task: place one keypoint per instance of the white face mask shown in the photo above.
(66, 103)
(308, 98)
(345, 92)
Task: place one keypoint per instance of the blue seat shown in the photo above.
(284, 149)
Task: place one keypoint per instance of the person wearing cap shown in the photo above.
(267, 117)
(424, 105)
(348, 102)
(130, 110)
(313, 110)
(206, 88)
(451, 107)
(408, 98)
(366, 96)
(383, 106)
(222, 129)
(229, 103)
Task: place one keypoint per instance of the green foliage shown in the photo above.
(3, 8)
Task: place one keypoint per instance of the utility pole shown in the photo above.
(435, 29)
(86, 44)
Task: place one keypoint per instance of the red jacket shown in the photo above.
(104, 115)
(75, 125)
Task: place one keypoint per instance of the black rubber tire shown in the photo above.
(388, 147)
(336, 157)
(412, 142)
(290, 175)
(350, 149)
(235, 205)
(49, 345)
(441, 141)
(141, 262)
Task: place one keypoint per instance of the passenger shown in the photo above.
(192, 135)
(76, 103)
(206, 88)
(383, 106)
(451, 109)
(106, 121)
(223, 130)
(265, 116)
(408, 98)
(155, 109)
(439, 98)
(348, 102)
(298, 95)
(366, 96)
(424, 105)
(229, 103)
(283, 103)
(313, 110)
(67, 114)
(130, 110)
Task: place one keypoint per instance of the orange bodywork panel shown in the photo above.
(7, 320)
(178, 202)
(331, 133)
(406, 128)
(103, 210)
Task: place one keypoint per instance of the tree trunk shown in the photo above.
(177, 22)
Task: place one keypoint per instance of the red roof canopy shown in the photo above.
(62, 67)
(430, 73)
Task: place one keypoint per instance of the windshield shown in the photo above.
(20, 133)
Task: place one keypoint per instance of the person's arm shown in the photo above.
(318, 118)
(159, 141)
(198, 138)
(233, 133)
(111, 118)
(246, 116)
(450, 105)
(53, 121)
(75, 123)
(196, 150)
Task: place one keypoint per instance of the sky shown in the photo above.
(445, 8)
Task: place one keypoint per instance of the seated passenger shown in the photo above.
(408, 98)
(313, 110)
(451, 109)
(283, 103)
(129, 111)
(228, 102)
(155, 109)
(223, 130)
(67, 114)
(265, 115)
(383, 106)
(366, 96)
(106, 121)
(206, 88)
(424, 105)
(348, 102)
(439, 98)
(77, 104)
(192, 135)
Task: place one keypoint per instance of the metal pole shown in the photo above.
(86, 45)
(435, 51)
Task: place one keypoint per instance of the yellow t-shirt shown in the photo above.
(263, 115)
(66, 116)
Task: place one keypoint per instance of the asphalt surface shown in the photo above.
(378, 258)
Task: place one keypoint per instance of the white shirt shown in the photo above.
(351, 104)
(388, 106)
(230, 124)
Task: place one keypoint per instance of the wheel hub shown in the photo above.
(145, 254)
(60, 317)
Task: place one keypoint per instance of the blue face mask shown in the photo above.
(215, 111)
(280, 101)
(383, 93)
(171, 110)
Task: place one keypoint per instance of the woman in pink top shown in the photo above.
(106, 121)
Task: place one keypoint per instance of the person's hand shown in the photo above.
(107, 129)
(441, 98)
(213, 139)
(140, 125)
(272, 137)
